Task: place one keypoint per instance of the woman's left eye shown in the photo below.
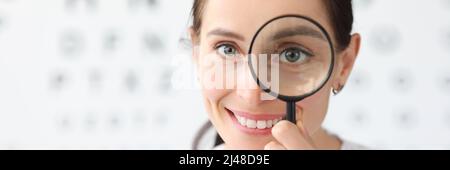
(294, 55)
(227, 50)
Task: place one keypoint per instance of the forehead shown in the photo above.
(246, 16)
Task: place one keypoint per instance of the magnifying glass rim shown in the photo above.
(280, 96)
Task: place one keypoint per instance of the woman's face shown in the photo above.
(227, 29)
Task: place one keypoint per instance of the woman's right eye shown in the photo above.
(227, 50)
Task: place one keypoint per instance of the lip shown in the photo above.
(258, 132)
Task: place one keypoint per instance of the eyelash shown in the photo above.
(294, 45)
(238, 51)
(231, 44)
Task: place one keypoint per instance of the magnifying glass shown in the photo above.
(291, 57)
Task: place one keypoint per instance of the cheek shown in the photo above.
(315, 109)
(210, 74)
(207, 76)
(213, 95)
(212, 100)
(209, 82)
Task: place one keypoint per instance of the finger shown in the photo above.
(289, 135)
(274, 145)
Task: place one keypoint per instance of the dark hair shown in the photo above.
(340, 13)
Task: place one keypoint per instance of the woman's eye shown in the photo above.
(226, 50)
(294, 55)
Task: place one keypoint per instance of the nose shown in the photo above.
(251, 96)
(251, 92)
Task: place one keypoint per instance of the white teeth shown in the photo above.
(269, 124)
(244, 121)
(251, 124)
(259, 124)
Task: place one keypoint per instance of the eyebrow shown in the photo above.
(299, 30)
(226, 33)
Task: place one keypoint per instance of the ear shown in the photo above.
(195, 43)
(346, 60)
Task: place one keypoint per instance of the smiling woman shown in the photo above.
(246, 118)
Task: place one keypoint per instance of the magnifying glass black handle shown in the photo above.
(290, 116)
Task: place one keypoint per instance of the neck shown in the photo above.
(325, 141)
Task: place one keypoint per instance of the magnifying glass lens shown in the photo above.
(291, 57)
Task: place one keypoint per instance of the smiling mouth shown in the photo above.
(255, 122)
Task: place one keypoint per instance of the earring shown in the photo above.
(336, 91)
